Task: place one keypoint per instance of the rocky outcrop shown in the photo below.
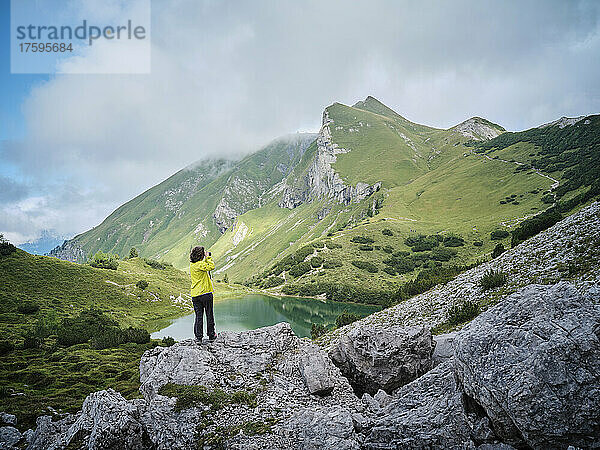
(321, 180)
(478, 129)
(427, 413)
(374, 358)
(69, 251)
(533, 364)
(563, 122)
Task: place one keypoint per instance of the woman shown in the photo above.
(201, 264)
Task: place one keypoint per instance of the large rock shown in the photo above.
(427, 413)
(374, 358)
(323, 429)
(532, 363)
(317, 370)
(9, 436)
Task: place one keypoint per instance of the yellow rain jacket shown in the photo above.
(201, 282)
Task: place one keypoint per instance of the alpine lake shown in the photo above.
(253, 311)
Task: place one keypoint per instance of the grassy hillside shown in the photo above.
(38, 292)
(168, 219)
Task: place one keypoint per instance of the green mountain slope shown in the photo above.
(369, 173)
(191, 207)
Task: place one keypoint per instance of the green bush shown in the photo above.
(387, 232)
(133, 253)
(365, 265)
(318, 244)
(346, 318)
(388, 249)
(6, 347)
(142, 284)
(492, 279)
(548, 199)
(365, 248)
(316, 261)
(300, 269)
(80, 329)
(362, 240)
(303, 252)
(458, 314)
(107, 338)
(400, 264)
(317, 330)
(390, 270)
(453, 240)
(421, 243)
(331, 264)
(401, 254)
(136, 335)
(332, 245)
(534, 225)
(103, 260)
(497, 235)
(155, 264)
(478, 243)
(272, 282)
(442, 254)
(498, 250)
(168, 341)
(28, 308)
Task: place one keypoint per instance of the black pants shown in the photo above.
(204, 303)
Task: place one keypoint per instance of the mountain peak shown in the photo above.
(478, 128)
(563, 122)
(373, 105)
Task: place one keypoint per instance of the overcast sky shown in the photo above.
(228, 76)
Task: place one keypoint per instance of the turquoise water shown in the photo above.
(254, 311)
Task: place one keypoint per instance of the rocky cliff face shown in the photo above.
(69, 251)
(320, 180)
(478, 129)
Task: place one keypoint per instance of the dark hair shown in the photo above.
(197, 254)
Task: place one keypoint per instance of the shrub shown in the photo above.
(443, 254)
(331, 264)
(142, 284)
(317, 330)
(365, 265)
(226, 278)
(6, 347)
(548, 199)
(362, 240)
(458, 314)
(401, 265)
(387, 232)
(107, 337)
(331, 245)
(365, 248)
(316, 261)
(498, 250)
(136, 335)
(453, 240)
(318, 244)
(401, 254)
(534, 225)
(390, 270)
(492, 279)
(497, 235)
(272, 282)
(6, 248)
(155, 264)
(300, 269)
(478, 243)
(421, 243)
(388, 249)
(133, 253)
(303, 252)
(103, 260)
(345, 318)
(28, 308)
(168, 341)
(80, 329)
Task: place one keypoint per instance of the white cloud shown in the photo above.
(227, 78)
